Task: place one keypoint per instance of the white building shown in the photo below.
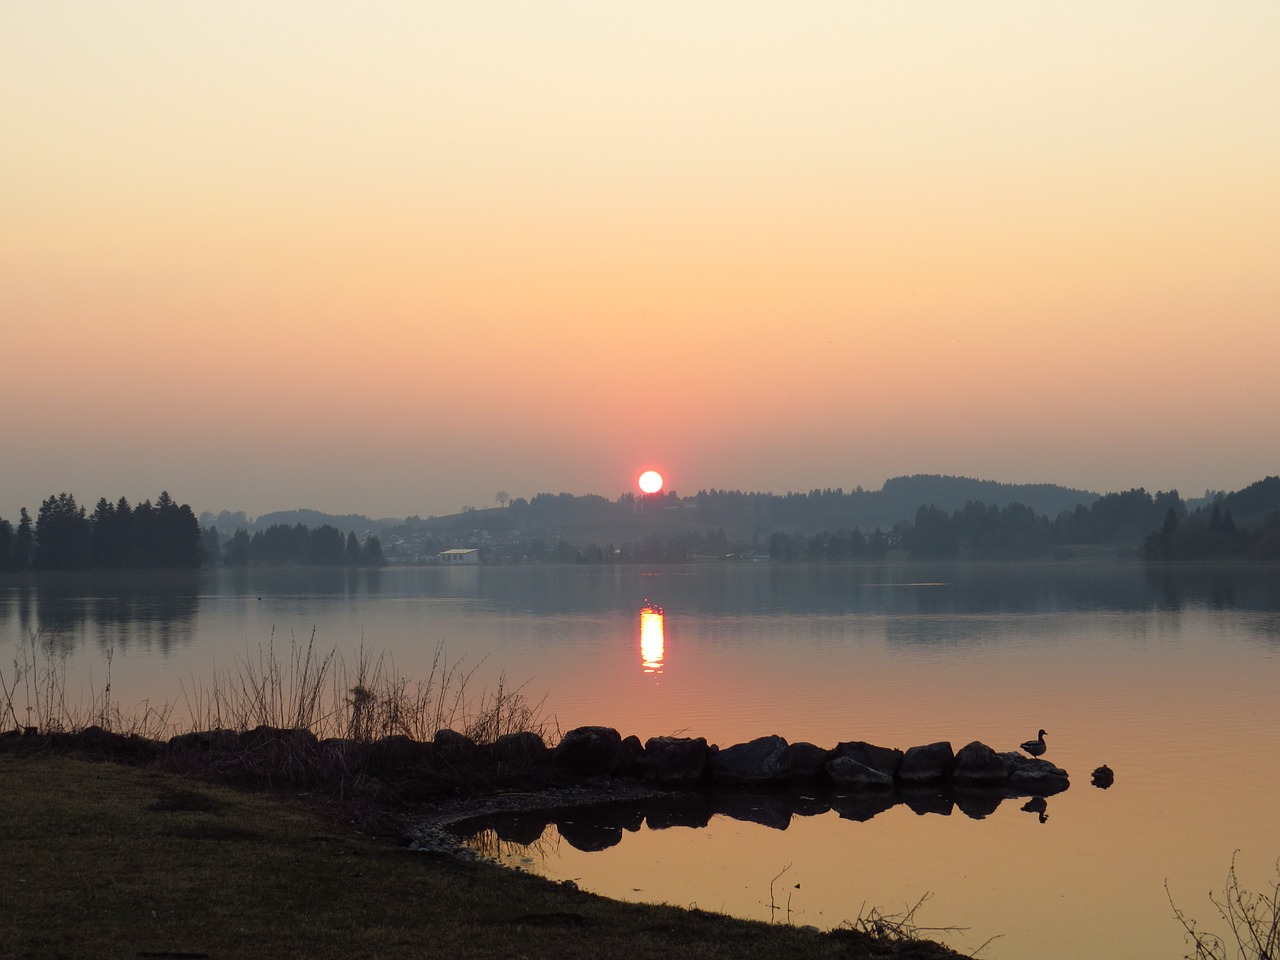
(457, 557)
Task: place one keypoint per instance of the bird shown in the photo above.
(1035, 747)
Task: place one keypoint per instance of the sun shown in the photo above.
(650, 481)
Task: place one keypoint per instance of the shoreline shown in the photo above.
(115, 858)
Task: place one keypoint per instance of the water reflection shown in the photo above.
(923, 604)
(602, 826)
(1039, 806)
(110, 609)
(652, 638)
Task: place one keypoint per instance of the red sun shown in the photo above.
(650, 481)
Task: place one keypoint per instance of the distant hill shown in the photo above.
(731, 519)
(228, 522)
(951, 493)
(1255, 504)
(742, 516)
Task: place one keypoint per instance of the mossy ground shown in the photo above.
(110, 861)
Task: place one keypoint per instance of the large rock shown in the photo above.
(848, 771)
(808, 760)
(455, 749)
(927, 763)
(1039, 777)
(885, 759)
(673, 759)
(398, 752)
(590, 750)
(631, 751)
(102, 742)
(295, 741)
(207, 741)
(762, 760)
(520, 750)
(977, 763)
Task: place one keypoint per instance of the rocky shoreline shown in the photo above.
(435, 786)
(684, 781)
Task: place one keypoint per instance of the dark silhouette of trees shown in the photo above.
(351, 551)
(236, 553)
(65, 537)
(62, 534)
(24, 541)
(281, 543)
(933, 537)
(6, 545)
(325, 547)
(210, 545)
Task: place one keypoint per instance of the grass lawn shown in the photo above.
(110, 861)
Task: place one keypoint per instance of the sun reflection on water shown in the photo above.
(652, 639)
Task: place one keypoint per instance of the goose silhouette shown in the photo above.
(1035, 747)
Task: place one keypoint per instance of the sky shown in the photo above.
(394, 257)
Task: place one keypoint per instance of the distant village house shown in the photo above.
(459, 557)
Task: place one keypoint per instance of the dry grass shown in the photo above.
(305, 688)
(1253, 920)
(110, 861)
(33, 695)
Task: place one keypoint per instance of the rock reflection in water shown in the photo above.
(602, 826)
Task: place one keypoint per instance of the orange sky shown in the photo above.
(394, 257)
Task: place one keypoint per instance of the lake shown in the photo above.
(1170, 676)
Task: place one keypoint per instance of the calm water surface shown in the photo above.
(1169, 677)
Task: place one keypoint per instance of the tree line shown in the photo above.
(64, 536)
(165, 534)
(1211, 534)
(282, 543)
(1157, 526)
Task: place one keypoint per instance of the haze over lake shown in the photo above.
(1166, 674)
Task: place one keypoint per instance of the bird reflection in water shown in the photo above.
(652, 638)
(1038, 806)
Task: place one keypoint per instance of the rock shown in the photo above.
(673, 759)
(590, 750)
(1039, 777)
(398, 752)
(297, 740)
(978, 763)
(885, 759)
(846, 770)
(808, 760)
(761, 760)
(927, 763)
(207, 741)
(632, 750)
(455, 749)
(520, 750)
